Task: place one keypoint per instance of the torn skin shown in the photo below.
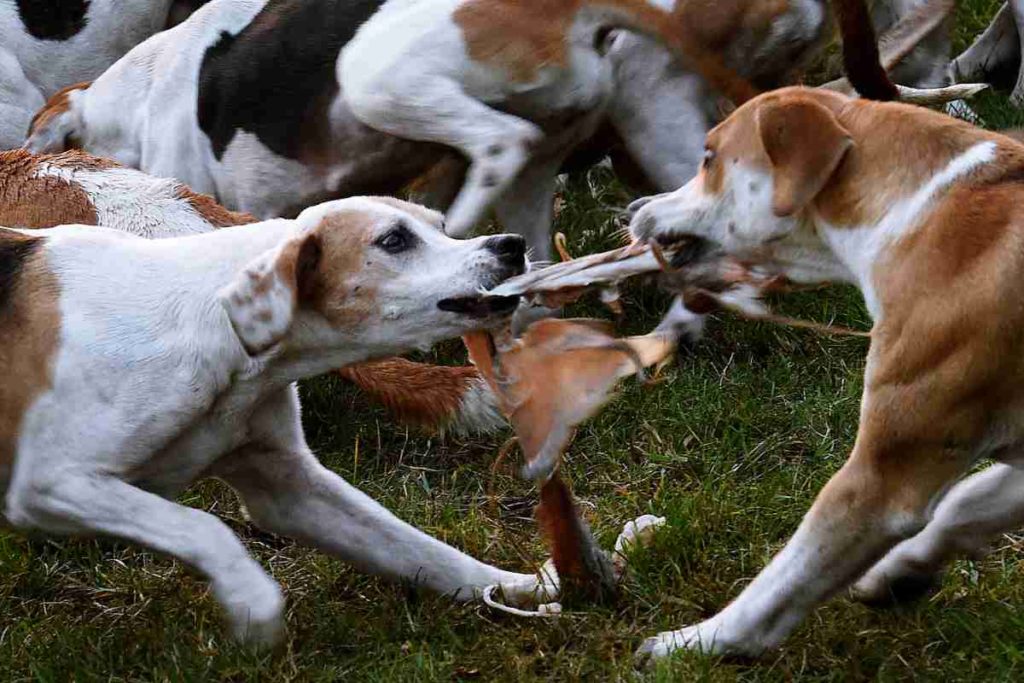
(558, 374)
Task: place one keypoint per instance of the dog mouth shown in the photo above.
(480, 306)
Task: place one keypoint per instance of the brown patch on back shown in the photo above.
(522, 37)
(27, 201)
(59, 103)
(30, 329)
(519, 37)
(212, 212)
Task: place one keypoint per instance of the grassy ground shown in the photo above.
(731, 448)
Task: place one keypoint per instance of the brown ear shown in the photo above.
(262, 301)
(805, 144)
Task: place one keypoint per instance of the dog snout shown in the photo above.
(634, 207)
(510, 250)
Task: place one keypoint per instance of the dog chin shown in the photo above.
(479, 306)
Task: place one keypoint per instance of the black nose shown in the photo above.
(510, 250)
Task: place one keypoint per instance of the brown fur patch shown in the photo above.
(523, 37)
(27, 201)
(212, 212)
(417, 393)
(333, 289)
(878, 170)
(30, 328)
(59, 103)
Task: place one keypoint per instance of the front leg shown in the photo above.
(878, 498)
(289, 492)
(69, 502)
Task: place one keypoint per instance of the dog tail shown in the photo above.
(860, 51)
(436, 397)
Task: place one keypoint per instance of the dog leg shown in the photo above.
(497, 145)
(877, 499)
(973, 514)
(1017, 96)
(95, 504)
(292, 494)
(998, 44)
(527, 207)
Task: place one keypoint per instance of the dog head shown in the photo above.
(763, 169)
(371, 273)
(58, 125)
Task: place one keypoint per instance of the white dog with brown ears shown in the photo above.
(923, 213)
(134, 367)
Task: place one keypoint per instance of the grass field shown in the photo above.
(731, 448)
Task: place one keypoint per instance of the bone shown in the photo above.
(933, 96)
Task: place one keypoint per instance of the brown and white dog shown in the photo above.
(273, 105)
(45, 46)
(923, 213)
(42, 191)
(133, 367)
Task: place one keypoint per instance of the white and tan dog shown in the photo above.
(922, 213)
(46, 46)
(134, 367)
(47, 190)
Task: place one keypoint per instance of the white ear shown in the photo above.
(262, 301)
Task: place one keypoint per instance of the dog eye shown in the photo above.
(709, 157)
(396, 240)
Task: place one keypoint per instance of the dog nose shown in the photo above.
(634, 207)
(510, 250)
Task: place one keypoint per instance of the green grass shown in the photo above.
(731, 448)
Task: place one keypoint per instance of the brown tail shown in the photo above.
(860, 51)
(432, 396)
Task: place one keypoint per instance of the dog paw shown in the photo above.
(878, 589)
(257, 618)
(708, 637)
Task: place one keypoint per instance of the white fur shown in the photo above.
(859, 248)
(20, 98)
(112, 28)
(134, 202)
(152, 388)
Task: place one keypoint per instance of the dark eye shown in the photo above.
(709, 158)
(396, 240)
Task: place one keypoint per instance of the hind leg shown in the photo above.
(438, 110)
(1017, 8)
(975, 512)
(998, 45)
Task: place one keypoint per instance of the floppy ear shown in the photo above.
(805, 144)
(262, 301)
